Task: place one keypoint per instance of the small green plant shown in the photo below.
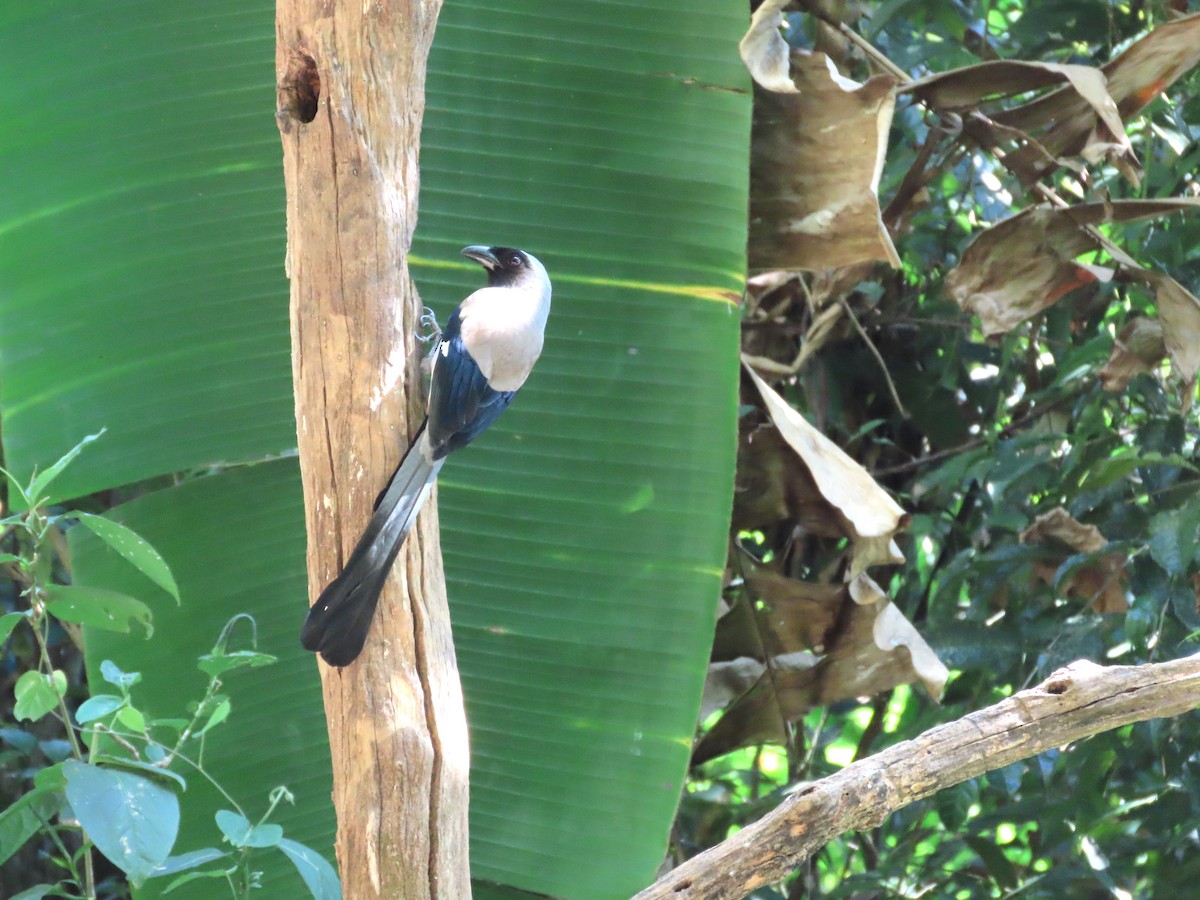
(112, 785)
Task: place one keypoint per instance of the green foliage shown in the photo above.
(999, 434)
(131, 819)
(115, 790)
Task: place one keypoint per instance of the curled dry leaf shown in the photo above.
(819, 143)
(1101, 581)
(871, 515)
(1059, 528)
(1072, 127)
(1179, 310)
(1025, 263)
(728, 680)
(765, 52)
(817, 157)
(893, 631)
(1138, 348)
(873, 649)
(1082, 118)
(1151, 65)
(960, 90)
(966, 88)
(793, 615)
(773, 486)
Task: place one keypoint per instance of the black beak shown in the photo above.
(482, 255)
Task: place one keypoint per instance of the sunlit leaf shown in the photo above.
(37, 694)
(131, 546)
(319, 876)
(131, 819)
(97, 607)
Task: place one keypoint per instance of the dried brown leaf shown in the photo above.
(1138, 348)
(872, 515)
(968, 87)
(874, 650)
(1085, 98)
(773, 486)
(1102, 582)
(764, 51)
(1070, 126)
(817, 157)
(1179, 311)
(1058, 528)
(1025, 263)
(892, 631)
(1151, 65)
(795, 615)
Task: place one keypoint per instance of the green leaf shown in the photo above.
(24, 818)
(37, 892)
(8, 622)
(97, 706)
(954, 804)
(37, 694)
(233, 825)
(196, 876)
(1173, 540)
(217, 664)
(131, 819)
(22, 741)
(19, 489)
(112, 673)
(137, 765)
(43, 480)
(132, 719)
(219, 715)
(133, 547)
(239, 832)
(184, 861)
(97, 607)
(51, 778)
(999, 866)
(319, 876)
(280, 725)
(56, 749)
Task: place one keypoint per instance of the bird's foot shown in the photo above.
(428, 328)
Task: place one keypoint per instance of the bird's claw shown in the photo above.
(428, 328)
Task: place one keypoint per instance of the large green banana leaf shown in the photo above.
(141, 290)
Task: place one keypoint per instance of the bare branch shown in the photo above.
(1076, 702)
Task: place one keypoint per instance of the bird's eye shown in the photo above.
(514, 261)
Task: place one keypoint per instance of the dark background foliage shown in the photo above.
(999, 432)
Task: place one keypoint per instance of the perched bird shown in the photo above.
(486, 352)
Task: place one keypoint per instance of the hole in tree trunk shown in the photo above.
(300, 90)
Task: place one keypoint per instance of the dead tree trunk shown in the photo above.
(351, 85)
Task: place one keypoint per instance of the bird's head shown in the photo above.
(507, 266)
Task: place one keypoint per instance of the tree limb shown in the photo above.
(1074, 703)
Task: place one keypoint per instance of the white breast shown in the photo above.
(502, 329)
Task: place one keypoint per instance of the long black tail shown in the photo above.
(338, 622)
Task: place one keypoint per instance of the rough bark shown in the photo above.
(1081, 700)
(351, 96)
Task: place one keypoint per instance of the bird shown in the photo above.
(483, 357)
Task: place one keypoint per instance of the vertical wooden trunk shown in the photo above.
(351, 84)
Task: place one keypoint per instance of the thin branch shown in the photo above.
(887, 376)
(976, 443)
(1074, 703)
